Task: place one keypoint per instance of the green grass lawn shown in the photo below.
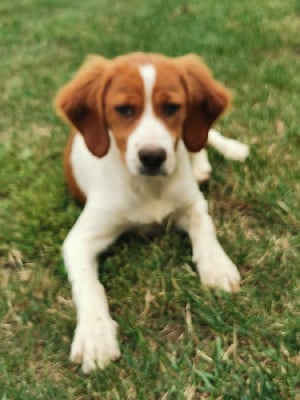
(178, 339)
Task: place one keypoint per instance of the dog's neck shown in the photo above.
(153, 186)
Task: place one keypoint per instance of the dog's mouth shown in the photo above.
(152, 171)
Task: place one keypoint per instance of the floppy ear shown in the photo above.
(207, 99)
(80, 103)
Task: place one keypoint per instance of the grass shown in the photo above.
(178, 339)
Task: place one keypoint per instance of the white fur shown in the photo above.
(119, 198)
(201, 165)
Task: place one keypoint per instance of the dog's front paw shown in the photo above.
(202, 173)
(217, 270)
(201, 166)
(95, 343)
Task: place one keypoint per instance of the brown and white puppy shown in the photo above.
(135, 120)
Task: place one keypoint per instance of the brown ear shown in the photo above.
(80, 102)
(207, 99)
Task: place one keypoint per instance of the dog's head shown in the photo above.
(148, 102)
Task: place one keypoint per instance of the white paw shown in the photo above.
(202, 176)
(217, 270)
(201, 166)
(95, 343)
(234, 150)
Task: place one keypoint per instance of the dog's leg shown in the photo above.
(95, 340)
(230, 148)
(201, 166)
(214, 266)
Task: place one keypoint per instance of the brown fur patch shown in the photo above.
(80, 103)
(125, 88)
(168, 90)
(207, 99)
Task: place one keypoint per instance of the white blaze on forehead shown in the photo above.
(148, 73)
(150, 132)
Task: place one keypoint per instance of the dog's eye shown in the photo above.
(125, 110)
(170, 109)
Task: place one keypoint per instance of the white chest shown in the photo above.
(133, 200)
(152, 202)
(149, 212)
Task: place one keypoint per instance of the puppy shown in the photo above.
(136, 119)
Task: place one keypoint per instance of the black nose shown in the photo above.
(152, 159)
